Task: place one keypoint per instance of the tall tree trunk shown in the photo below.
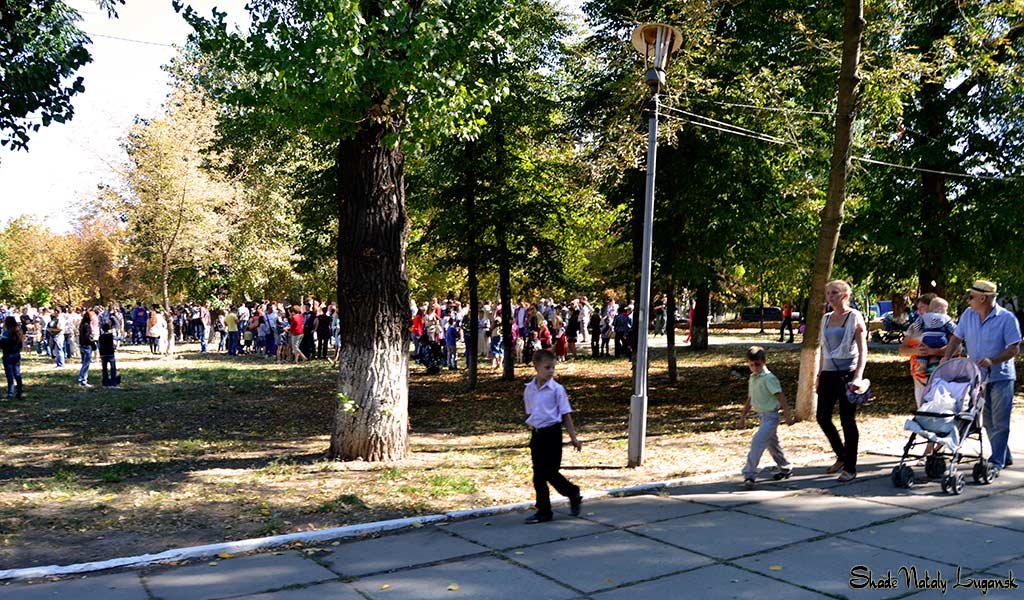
(165, 275)
(832, 214)
(670, 330)
(473, 345)
(473, 254)
(701, 308)
(371, 420)
(508, 361)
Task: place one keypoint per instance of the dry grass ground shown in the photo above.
(209, 448)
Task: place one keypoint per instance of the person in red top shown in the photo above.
(295, 333)
(416, 331)
(787, 321)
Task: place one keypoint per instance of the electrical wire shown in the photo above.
(725, 124)
(764, 137)
(123, 39)
(801, 111)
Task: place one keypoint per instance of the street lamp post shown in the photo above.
(655, 42)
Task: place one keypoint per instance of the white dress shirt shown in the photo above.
(545, 404)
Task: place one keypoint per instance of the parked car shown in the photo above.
(753, 313)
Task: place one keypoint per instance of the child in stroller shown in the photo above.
(949, 415)
(431, 354)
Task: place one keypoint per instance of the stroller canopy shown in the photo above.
(957, 370)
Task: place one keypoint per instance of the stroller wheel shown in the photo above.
(935, 466)
(903, 477)
(981, 473)
(953, 485)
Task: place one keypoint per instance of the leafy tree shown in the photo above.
(362, 83)
(41, 48)
(177, 211)
(959, 111)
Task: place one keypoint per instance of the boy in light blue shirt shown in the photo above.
(764, 396)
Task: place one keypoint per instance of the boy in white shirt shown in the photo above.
(547, 409)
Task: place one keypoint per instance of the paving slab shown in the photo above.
(116, 586)
(484, 578)
(431, 544)
(925, 495)
(606, 560)
(235, 577)
(335, 590)
(946, 539)
(1005, 509)
(828, 566)
(824, 511)
(634, 510)
(716, 582)
(508, 530)
(725, 534)
(727, 493)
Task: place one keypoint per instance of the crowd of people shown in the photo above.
(278, 330)
(439, 327)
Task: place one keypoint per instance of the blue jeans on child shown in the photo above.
(83, 373)
(766, 438)
(110, 378)
(12, 370)
(998, 406)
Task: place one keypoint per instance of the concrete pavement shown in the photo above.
(805, 537)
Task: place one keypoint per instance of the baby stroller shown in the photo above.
(892, 331)
(431, 356)
(948, 417)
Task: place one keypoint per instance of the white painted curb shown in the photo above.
(334, 533)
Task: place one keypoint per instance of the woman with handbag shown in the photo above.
(844, 354)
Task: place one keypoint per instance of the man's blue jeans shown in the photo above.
(58, 352)
(233, 343)
(83, 373)
(998, 404)
(201, 334)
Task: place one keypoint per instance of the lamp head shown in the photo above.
(656, 42)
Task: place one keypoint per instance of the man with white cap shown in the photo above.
(992, 336)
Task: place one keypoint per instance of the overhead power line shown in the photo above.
(709, 123)
(801, 111)
(123, 39)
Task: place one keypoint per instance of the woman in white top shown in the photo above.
(844, 354)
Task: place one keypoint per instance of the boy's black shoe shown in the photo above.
(538, 517)
(574, 505)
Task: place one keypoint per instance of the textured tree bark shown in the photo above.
(832, 214)
(670, 331)
(371, 419)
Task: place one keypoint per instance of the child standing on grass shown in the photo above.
(108, 348)
(547, 409)
(764, 395)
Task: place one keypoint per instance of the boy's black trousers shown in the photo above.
(546, 455)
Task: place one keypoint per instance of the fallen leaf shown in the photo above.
(453, 587)
(775, 568)
(417, 525)
(385, 586)
(213, 563)
(226, 555)
(609, 580)
(590, 514)
(520, 552)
